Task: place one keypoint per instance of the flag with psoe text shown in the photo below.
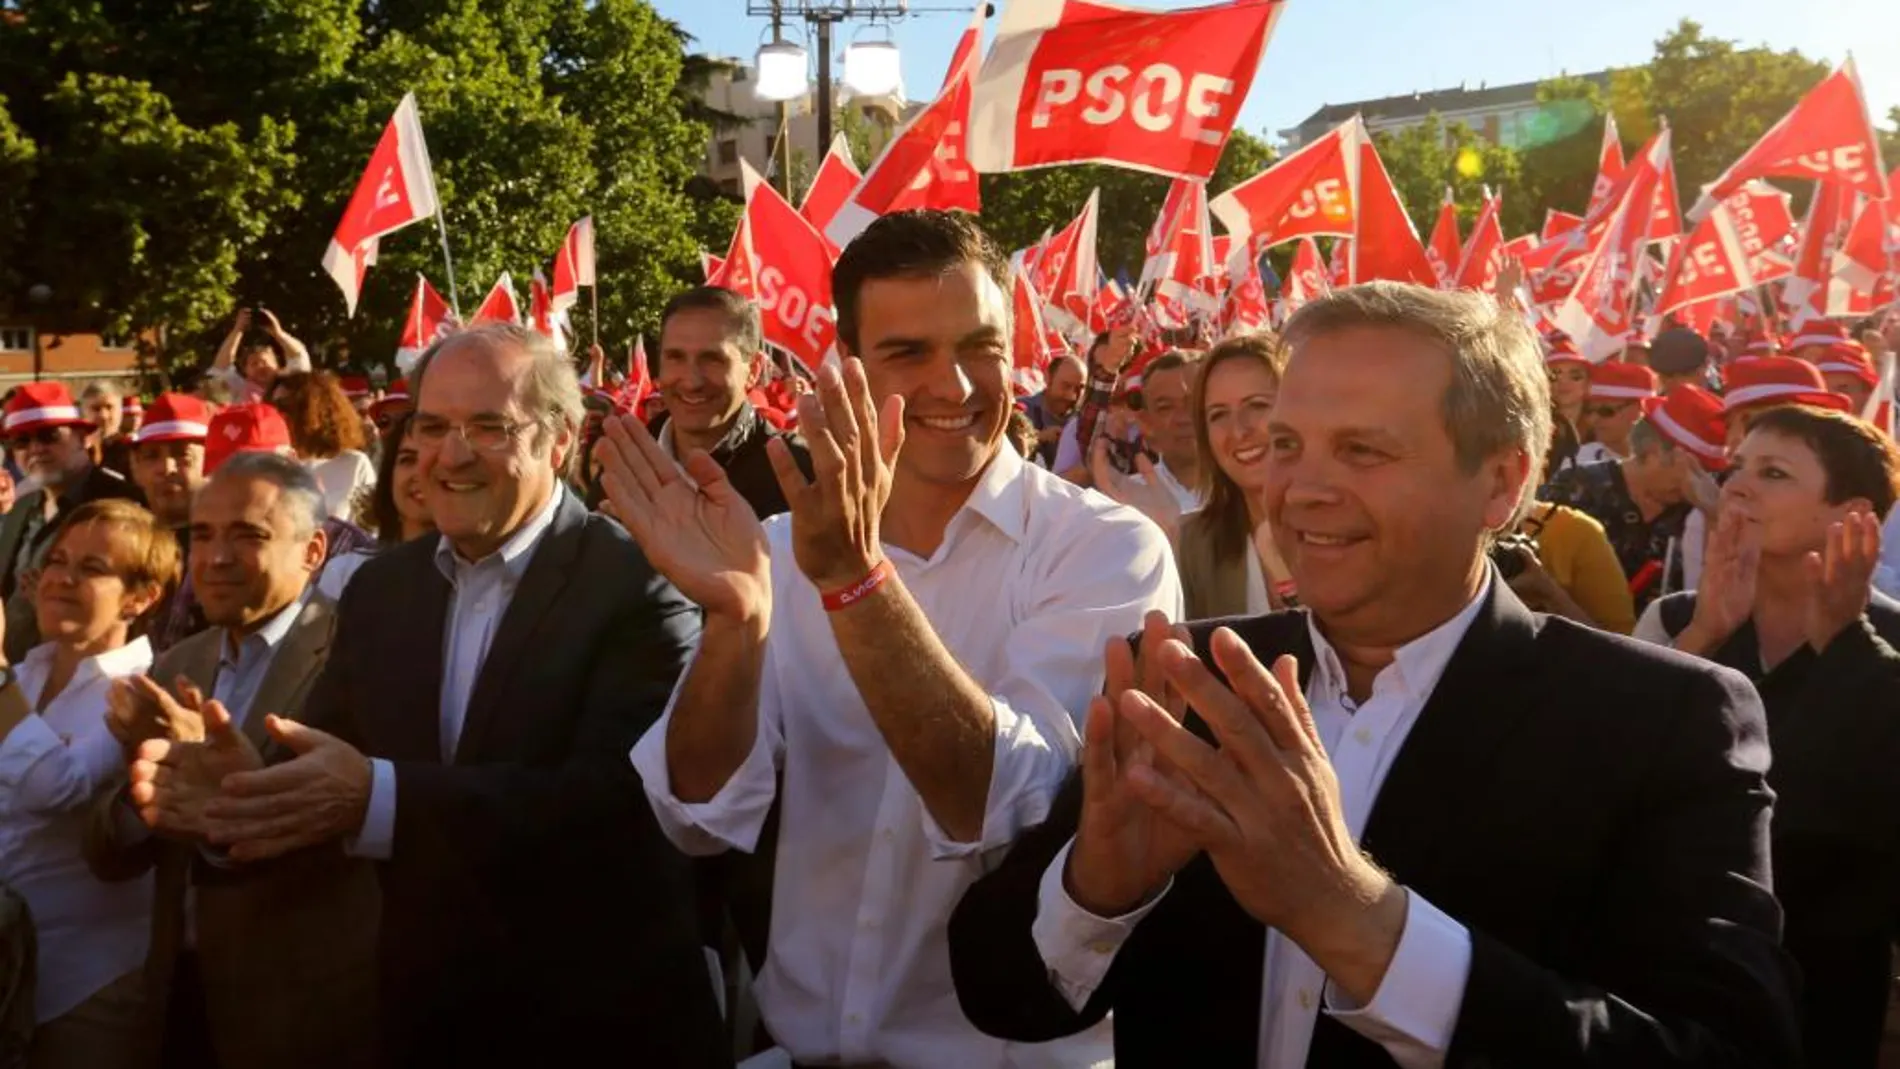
(1312, 192)
(1828, 137)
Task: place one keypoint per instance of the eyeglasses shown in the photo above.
(43, 436)
(482, 435)
(1605, 411)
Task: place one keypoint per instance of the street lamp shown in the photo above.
(871, 68)
(781, 72)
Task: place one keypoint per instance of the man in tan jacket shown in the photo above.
(265, 966)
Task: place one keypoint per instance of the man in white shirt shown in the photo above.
(469, 733)
(1167, 425)
(1421, 841)
(936, 609)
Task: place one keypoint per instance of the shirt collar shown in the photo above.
(514, 553)
(273, 630)
(998, 496)
(134, 656)
(1416, 666)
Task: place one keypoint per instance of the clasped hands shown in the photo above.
(1264, 805)
(193, 775)
(699, 532)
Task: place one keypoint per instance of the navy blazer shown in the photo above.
(1592, 809)
(533, 912)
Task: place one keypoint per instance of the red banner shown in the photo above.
(1307, 194)
(1827, 138)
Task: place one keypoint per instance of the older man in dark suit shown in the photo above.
(475, 715)
(272, 967)
(1440, 830)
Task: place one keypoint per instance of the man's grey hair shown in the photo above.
(298, 487)
(1499, 396)
(1646, 438)
(552, 391)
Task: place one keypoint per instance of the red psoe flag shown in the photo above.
(837, 176)
(1557, 224)
(1028, 341)
(1610, 168)
(499, 306)
(1713, 261)
(1306, 278)
(926, 163)
(1445, 250)
(1483, 255)
(1084, 81)
(785, 265)
(1827, 138)
(711, 265)
(543, 318)
(1384, 245)
(1310, 193)
(398, 188)
(428, 322)
(1598, 314)
(574, 265)
(1067, 273)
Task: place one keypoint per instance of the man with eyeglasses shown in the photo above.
(47, 434)
(469, 734)
(1614, 404)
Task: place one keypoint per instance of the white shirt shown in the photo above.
(342, 478)
(483, 590)
(1257, 601)
(1416, 1007)
(1033, 576)
(1184, 495)
(1596, 453)
(52, 767)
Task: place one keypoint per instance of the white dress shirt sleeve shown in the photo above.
(1077, 946)
(1097, 584)
(1415, 1010)
(732, 818)
(40, 772)
(376, 839)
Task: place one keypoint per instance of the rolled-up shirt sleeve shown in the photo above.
(1092, 586)
(732, 818)
(1077, 946)
(41, 772)
(1415, 1010)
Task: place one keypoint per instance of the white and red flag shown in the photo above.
(926, 163)
(779, 260)
(1306, 279)
(543, 317)
(428, 322)
(1185, 259)
(1384, 243)
(1807, 294)
(837, 176)
(1557, 224)
(1086, 81)
(573, 265)
(711, 265)
(1600, 311)
(1067, 273)
(1312, 192)
(1247, 308)
(1610, 168)
(1719, 256)
(1828, 137)
(1483, 255)
(1444, 249)
(1867, 255)
(1028, 345)
(398, 188)
(500, 305)
(633, 391)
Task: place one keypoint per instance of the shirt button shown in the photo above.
(1364, 736)
(888, 834)
(1101, 946)
(1306, 999)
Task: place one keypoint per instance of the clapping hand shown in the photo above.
(836, 514)
(704, 538)
(138, 709)
(1725, 595)
(319, 795)
(172, 782)
(1146, 494)
(1840, 577)
(1125, 851)
(1266, 808)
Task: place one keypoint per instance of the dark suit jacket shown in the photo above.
(23, 626)
(1593, 810)
(533, 913)
(286, 951)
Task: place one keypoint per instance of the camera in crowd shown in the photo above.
(1511, 553)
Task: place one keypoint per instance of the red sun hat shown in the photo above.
(1691, 417)
(1849, 358)
(38, 406)
(1818, 332)
(1559, 349)
(175, 417)
(253, 428)
(1621, 382)
(1778, 379)
(397, 394)
(1761, 343)
(355, 387)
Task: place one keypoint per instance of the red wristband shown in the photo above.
(845, 597)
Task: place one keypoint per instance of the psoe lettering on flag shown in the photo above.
(1081, 81)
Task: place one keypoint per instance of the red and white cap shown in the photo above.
(355, 387)
(1818, 332)
(1849, 358)
(1618, 381)
(1559, 349)
(396, 395)
(1761, 343)
(175, 417)
(1691, 417)
(134, 406)
(1779, 380)
(38, 406)
(254, 428)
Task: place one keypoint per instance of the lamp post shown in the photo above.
(38, 295)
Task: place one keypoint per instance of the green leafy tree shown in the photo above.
(17, 154)
(1425, 158)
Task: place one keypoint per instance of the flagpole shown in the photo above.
(593, 295)
(442, 228)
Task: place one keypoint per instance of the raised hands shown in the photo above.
(692, 524)
(1725, 596)
(138, 709)
(1840, 576)
(835, 515)
(172, 782)
(1125, 851)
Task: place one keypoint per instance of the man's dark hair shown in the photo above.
(917, 244)
(742, 316)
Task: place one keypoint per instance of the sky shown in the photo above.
(1337, 51)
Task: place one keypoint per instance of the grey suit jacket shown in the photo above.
(287, 950)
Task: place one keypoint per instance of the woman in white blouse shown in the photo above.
(328, 436)
(109, 564)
